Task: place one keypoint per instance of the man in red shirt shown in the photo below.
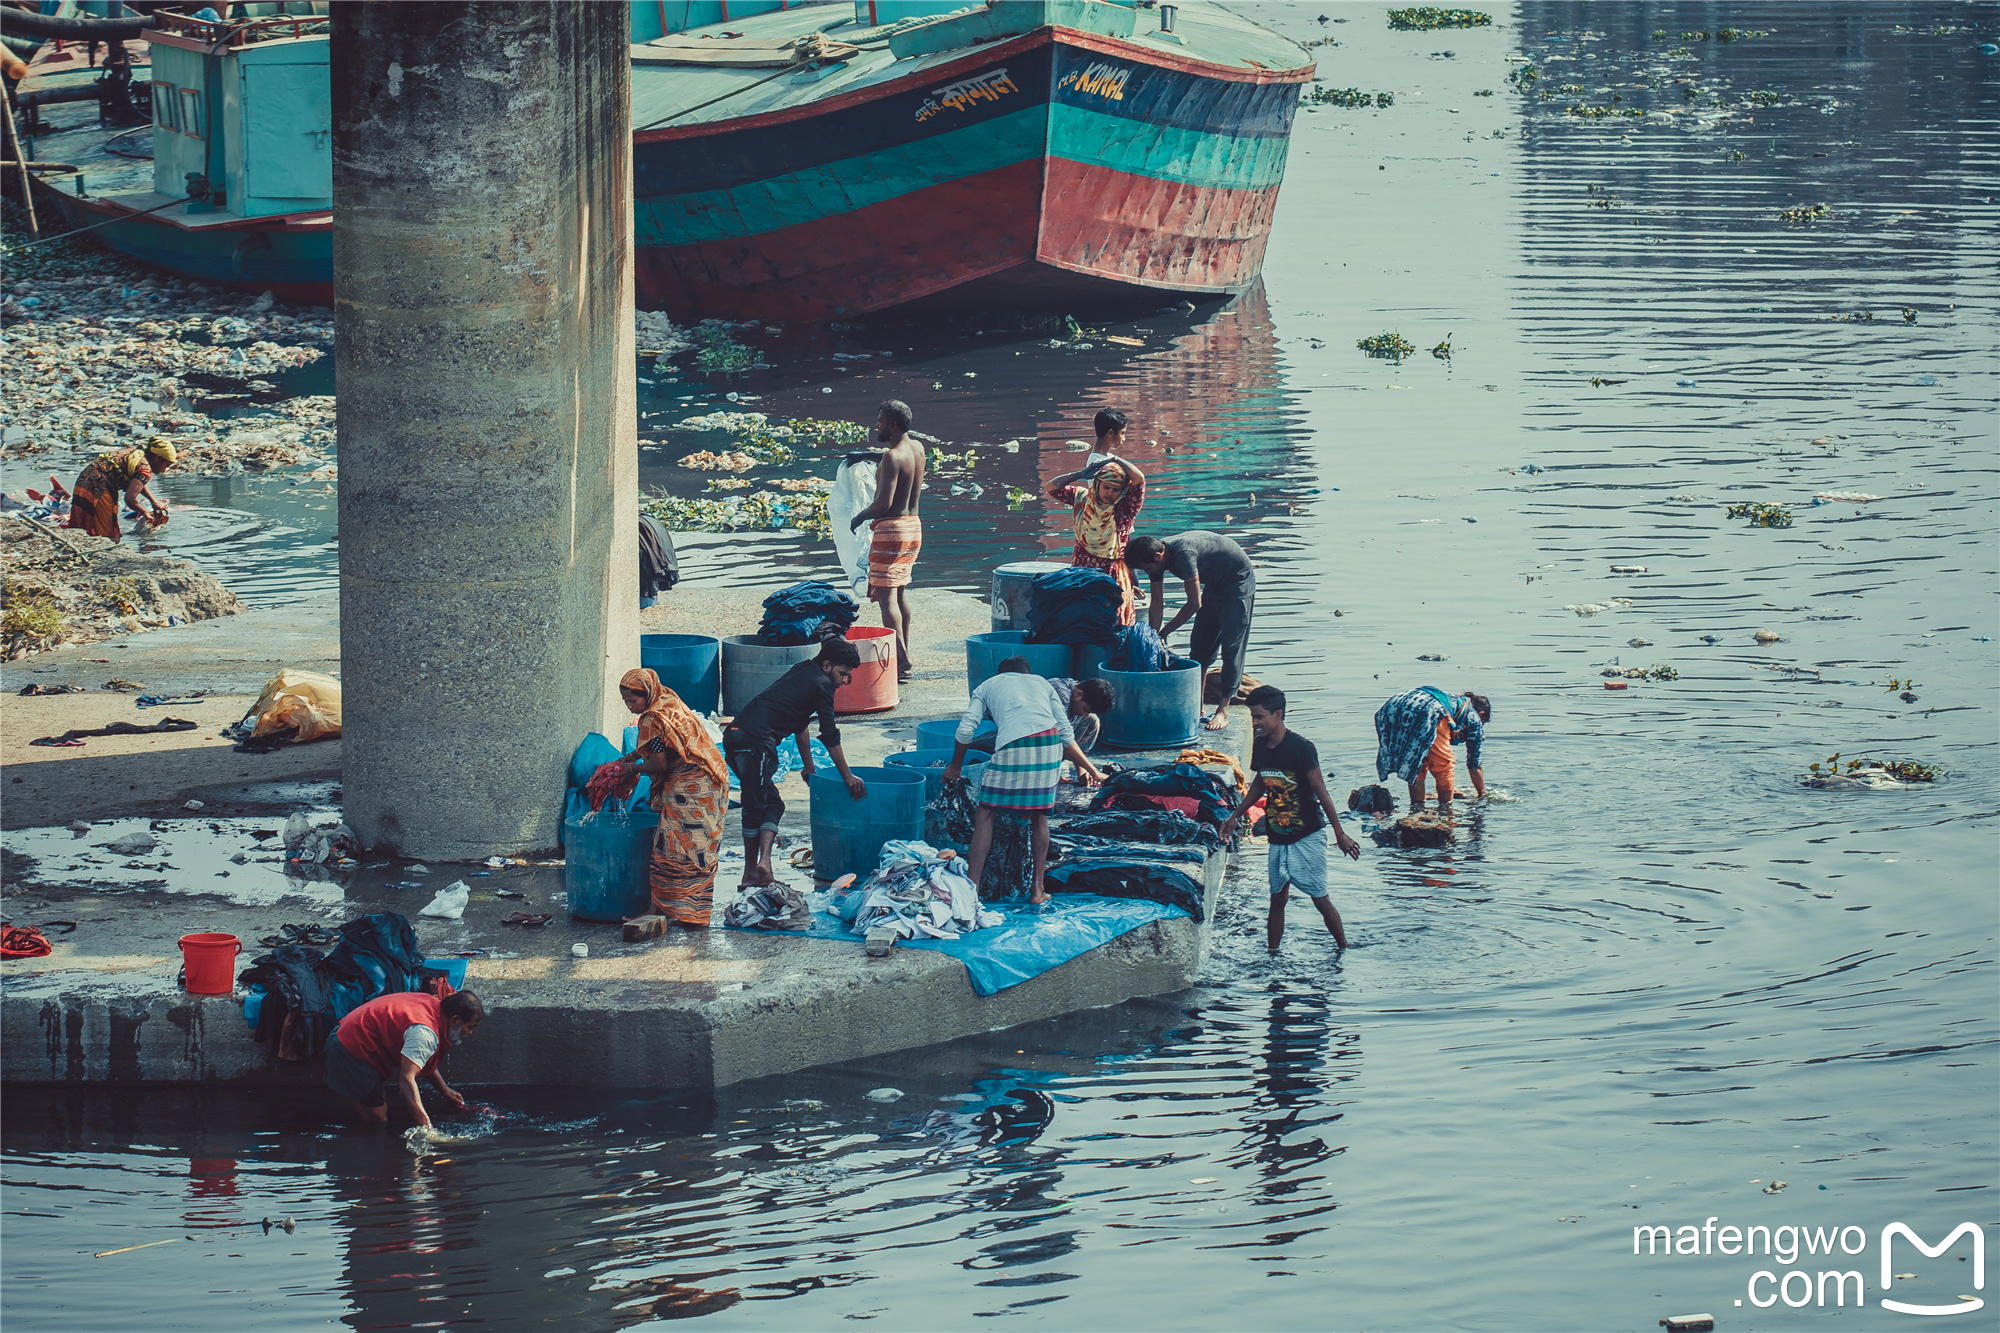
(394, 1038)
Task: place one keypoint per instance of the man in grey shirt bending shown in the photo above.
(1221, 595)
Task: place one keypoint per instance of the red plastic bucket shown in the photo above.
(210, 960)
(873, 687)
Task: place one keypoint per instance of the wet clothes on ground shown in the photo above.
(1213, 795)
(1077, 605)
(1169, 875)
(806, 612)
(1164, 827)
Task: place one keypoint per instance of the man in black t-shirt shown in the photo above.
(1287, 776)
(750, 747)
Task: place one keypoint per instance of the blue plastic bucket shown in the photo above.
(606, 857)
(943, 733)
(847, 835)
(1088, 660)
(985, 652)
(688, 664)
(1152, 710)
(921, 760)
(1010, 591)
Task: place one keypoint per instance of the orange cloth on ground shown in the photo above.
(1440, 761)
(674, 725)
(1215, 757)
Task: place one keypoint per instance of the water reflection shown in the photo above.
(1659, 972)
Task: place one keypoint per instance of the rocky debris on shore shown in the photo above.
(92, 589)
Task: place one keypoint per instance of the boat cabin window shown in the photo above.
(191, 118)
(166, 106)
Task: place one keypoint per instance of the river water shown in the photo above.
(1653, 977)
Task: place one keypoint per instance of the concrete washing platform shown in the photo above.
(693, 1009)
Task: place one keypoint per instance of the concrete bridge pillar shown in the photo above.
(482, 223)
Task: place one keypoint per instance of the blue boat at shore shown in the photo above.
(235, 187)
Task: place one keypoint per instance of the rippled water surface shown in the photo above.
(1654, 977)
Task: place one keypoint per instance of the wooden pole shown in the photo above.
(21, 161)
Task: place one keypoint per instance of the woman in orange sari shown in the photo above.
(1106, 504)
(690, 791)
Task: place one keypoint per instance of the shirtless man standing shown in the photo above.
(898, 533)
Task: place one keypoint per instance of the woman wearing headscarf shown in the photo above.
(1106, 499)
(690, 792)
(117, 478)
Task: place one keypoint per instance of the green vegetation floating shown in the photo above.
(1389, 345)
(1803, 213)
(760, 511)
(1525, 75)
(1721, 35)
(1428, 19)
(1349, 97)
(1903, 770)
(1762, 515)
(719, 351)
(1599, 112)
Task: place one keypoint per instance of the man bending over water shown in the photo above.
(898, 533)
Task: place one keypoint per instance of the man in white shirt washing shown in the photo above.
(1034, 738)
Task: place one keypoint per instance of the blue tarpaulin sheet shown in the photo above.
(1031, 940)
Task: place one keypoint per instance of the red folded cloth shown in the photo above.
(1132, 800)
(22, 942)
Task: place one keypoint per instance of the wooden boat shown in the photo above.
(819, 162)
(241, 121)
(790, 162)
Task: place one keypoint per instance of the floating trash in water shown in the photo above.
(1592, 608)
(1434, 657)
(1688, 384)
(885, 1095)
(1628, 569)
(1638, 643)
(1767, 636)
(1927, 380)
(1710, 640)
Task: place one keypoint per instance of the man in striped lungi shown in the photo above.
(1034, 738)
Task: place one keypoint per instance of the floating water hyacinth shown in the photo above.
(1427, 19)
(1348, 97)
(1762, 515)
(1392, 346)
